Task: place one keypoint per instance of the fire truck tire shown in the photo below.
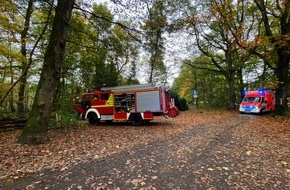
(146, 122)
(136, 119)
(93, 119)
(172, 113)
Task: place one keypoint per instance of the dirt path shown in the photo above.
(229, 152)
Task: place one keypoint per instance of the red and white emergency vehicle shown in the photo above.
(137, 104)
(258, 101)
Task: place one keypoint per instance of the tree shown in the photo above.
(275, 41)
(35, 130)
(9, 57)
(100, 50)
(210, 84)
(23, 79)
(215, 40)
(23, 61)
(132, 78)
(154, 28)
(264, 32)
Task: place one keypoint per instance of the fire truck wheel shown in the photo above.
(93, 119)
(146, 122)
(136, 119)
(172, 113)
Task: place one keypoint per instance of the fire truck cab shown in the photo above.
(258, 101)
(137, 104)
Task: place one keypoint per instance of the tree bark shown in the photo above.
(282, 73)
(232, 93)
(35, 130)
(241, 83)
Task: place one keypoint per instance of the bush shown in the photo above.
(180, 103)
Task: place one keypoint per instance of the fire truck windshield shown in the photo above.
(252, 99)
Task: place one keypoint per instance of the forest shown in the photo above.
(51, 50)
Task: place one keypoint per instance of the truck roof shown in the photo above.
(133, 87)
(257, 93)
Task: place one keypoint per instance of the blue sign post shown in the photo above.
(194, 93)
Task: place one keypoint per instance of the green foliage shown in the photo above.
(102, 17)
(211, 87)
(99, 51)
(180, 103)
(66, 121)
(9, 15)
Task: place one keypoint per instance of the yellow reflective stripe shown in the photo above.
(102, 106)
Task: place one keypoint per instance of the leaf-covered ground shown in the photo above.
(196, 150)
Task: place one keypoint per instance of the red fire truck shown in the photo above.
(258, 101)
(134, 103)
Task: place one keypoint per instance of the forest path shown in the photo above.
(229, 152)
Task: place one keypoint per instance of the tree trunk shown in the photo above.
(35, 130)
(230, 75)
(23, 81)
(282, 73)
(11, 99)
(241, 83)
(232, 93)
(283, 64)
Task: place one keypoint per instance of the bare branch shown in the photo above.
(124, 27)
(187, 62)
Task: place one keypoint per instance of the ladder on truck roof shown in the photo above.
(131, 87)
